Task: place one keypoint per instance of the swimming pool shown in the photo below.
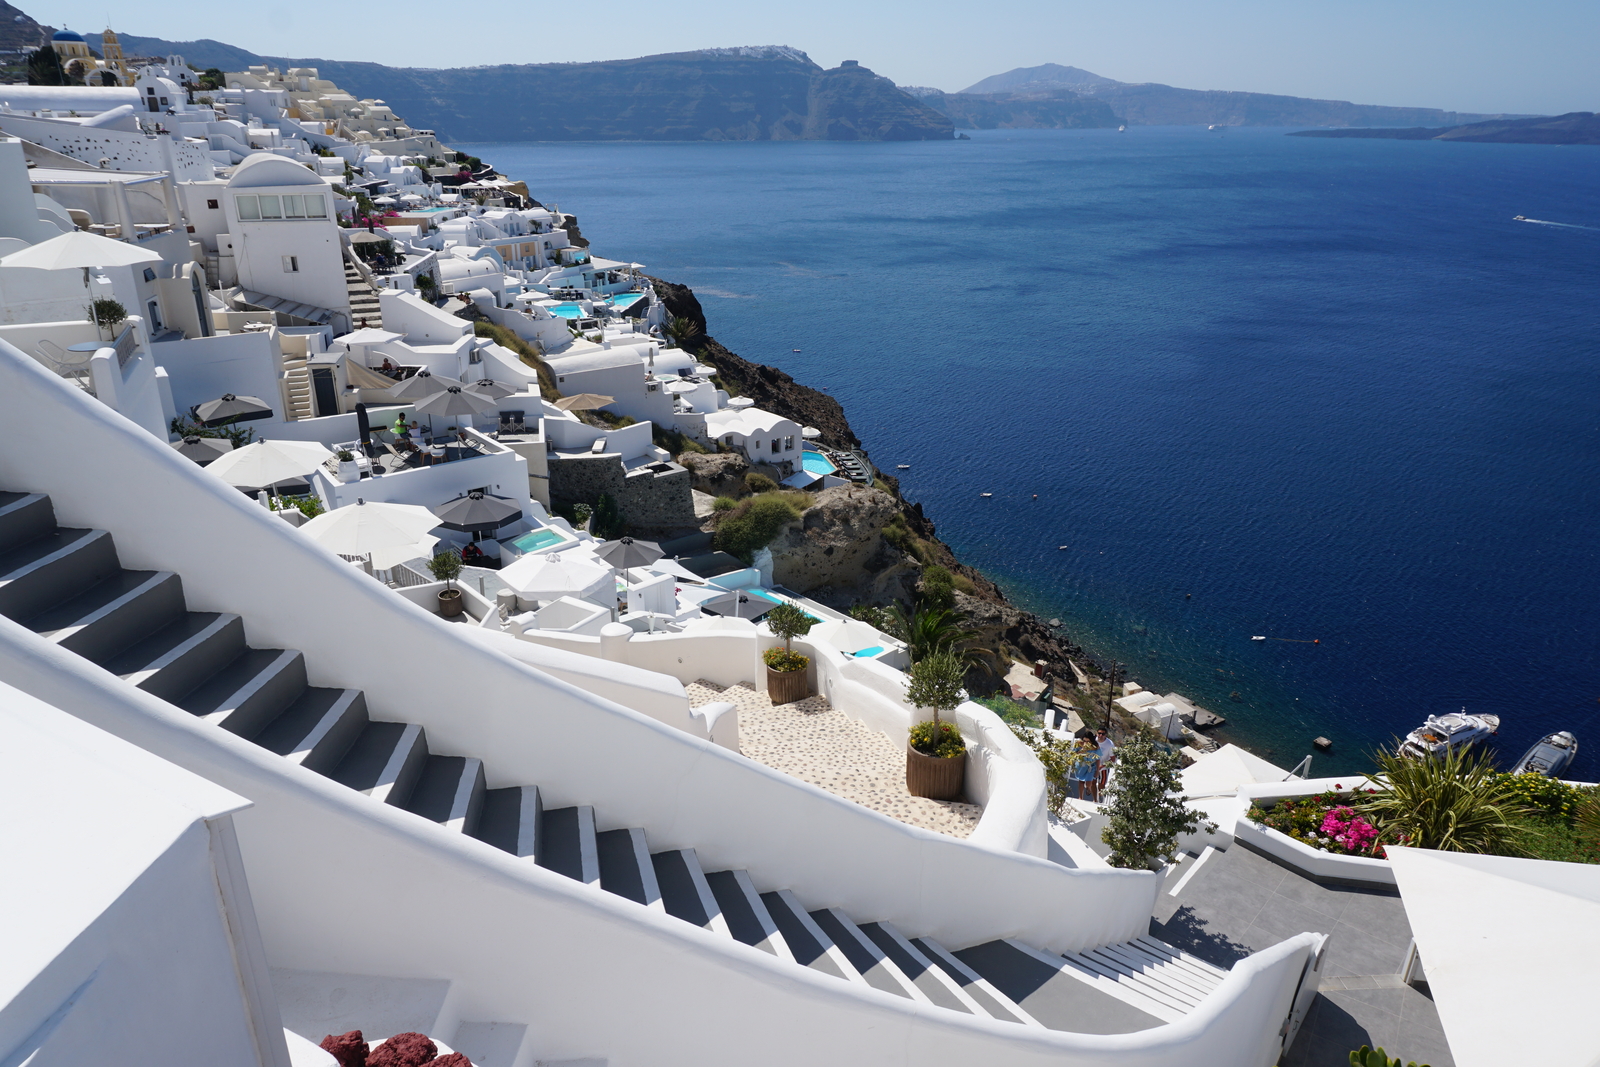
(817, 463)
(867, 653)
(567, 311)
(623, 301)
(537, 539)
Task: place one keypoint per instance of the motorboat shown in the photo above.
(1259, 637)
(986, 494)
(1552, 754)
(1122, 129)
(902, 466)
(1443, 734)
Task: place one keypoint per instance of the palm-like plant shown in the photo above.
(1453, 803)
(928, 630)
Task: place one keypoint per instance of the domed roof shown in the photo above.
(68, 35)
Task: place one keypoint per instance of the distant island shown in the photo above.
(766, 93)
(1036, 96)
(1577, 127)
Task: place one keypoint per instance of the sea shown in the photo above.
(1181, 389)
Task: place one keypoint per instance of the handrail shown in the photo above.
(126, 344)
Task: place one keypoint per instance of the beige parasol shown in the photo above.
(584, 402)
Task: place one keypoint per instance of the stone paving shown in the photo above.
(811, 741)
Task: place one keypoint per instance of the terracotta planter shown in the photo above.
(785, 687)
(450, 603)
(935, 777)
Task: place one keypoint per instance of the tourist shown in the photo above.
(1108, 756)
(1084, 767)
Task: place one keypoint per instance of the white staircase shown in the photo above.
(297, 390)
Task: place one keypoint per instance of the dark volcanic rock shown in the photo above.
(404, 1050)
(769, 387)
(349, 1048)
(1577, 127)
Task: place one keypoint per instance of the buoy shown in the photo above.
(1188, 596)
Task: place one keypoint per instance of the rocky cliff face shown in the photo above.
(1045, 109)
(858, 544)
(769, 93)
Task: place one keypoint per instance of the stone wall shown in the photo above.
(646, 498)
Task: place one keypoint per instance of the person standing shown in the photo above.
(1085, 767)
(1108, 756)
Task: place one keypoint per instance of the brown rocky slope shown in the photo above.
(859, 543)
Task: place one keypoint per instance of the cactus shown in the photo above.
(1377, 1057)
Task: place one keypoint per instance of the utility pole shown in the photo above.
(1111, 689)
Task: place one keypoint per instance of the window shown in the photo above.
(316, 207)
(291, 264)
(212, 204)
(788, 444)
(294, 207)
(149, 274)
(249, 208)
(271, 207)
(775, 444)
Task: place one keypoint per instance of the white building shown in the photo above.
(282, 242)
(760, 435)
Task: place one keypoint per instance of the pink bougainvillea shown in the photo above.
(1348, 830)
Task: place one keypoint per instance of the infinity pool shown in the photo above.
(623, 301)
(530, 542)
(817, 463)
(567, 311)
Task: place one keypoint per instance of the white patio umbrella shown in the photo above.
(80, 250)
(389, 533)
(546, 578)
(266, 463)
(423, 384)
(455, 400)
(369, 335)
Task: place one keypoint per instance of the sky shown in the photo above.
(1528, 56)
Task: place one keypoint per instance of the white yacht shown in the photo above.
(1443, 734)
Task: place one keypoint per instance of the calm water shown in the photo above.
(1310, 389)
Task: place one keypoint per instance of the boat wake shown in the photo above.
(1562, 225)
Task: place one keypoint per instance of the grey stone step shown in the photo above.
(917, 967)
(511, 820)
(449, 791)
(981, 991)
(685, 892)
(1057, 994)
(810, 944)
(385, 761)
(112, 616)
(747, 917)
(172, 662)
(317, 730)
(625, 866)
(52, 569)
(24, 517)
(250, 692)
(567, 844)
(865, 956)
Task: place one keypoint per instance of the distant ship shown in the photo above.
(1122, 129)
(1217, 129)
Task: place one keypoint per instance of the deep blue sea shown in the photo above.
(1316, 390)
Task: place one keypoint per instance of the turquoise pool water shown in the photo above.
(568, 311)
(623, 301)
(866, 652)
(537, 539)
(817, 463)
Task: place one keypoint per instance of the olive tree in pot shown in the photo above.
(786, 668)
(446, 568)
(349, 469)
(936, 757)
(107, 314)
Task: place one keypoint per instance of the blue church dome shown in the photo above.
(68, 35)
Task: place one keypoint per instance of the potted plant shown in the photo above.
(107, 314)
(446, 568)
(786, 668)
(936, 756)
(349, 469)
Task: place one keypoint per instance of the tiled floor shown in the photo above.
(1240, 902)
(810, 741)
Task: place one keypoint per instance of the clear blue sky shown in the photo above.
(1466, 55)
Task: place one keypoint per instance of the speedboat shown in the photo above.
(1443, 734)
(902, 466)
(1259, 637)
(986, 494)
(1122, 129)
(1550, 756)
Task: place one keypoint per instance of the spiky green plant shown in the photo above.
(1377, 1057)
(1452, 803)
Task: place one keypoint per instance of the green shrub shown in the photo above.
(308, 505)
(756, 482)
(446, 567)
(1010, 712)
(877, 618)
(724, 503)
(936, 738)
(753, 524)
(938, 587)
(784, 659)
(1147, 812)
(107, 313)
(1366, 1056)
(1058, 756)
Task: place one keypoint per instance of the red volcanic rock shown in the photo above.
(404, 1050)
(455, 1059)
(349, 1049)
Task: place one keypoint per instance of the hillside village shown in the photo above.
(360, 518)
